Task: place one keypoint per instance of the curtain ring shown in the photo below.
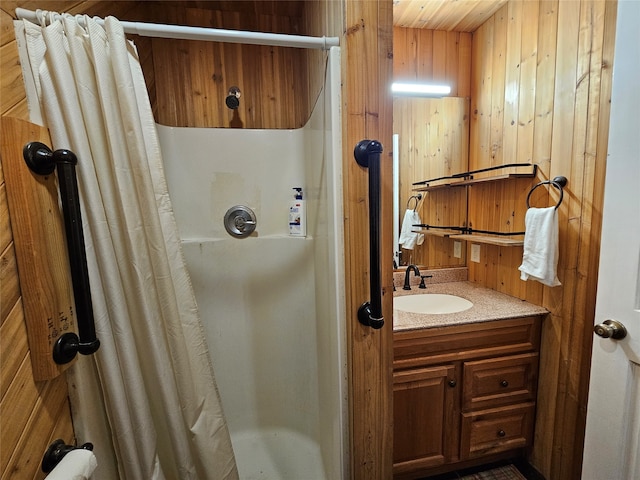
(41, 17)
(558, 182)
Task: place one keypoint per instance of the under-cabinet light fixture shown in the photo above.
(420, 89)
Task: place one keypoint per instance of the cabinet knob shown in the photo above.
(452, 383)
(504, 383)
(501, 433)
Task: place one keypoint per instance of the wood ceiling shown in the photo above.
(450, 15)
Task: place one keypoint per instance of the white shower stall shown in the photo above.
(272, 305)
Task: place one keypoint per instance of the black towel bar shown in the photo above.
(43, 161)
(559, 182)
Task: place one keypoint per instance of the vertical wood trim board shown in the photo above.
(43, 263)
(367, 70)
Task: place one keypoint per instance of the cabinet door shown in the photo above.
(426, 417)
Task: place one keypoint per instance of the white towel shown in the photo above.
(540, 256)
(409, 236)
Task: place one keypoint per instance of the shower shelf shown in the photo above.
(487, 239)
(475, 238)
(467, 178)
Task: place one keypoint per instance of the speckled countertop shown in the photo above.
(487, 305)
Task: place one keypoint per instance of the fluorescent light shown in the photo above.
(420, 89)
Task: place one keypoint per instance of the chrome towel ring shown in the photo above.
(558, 182)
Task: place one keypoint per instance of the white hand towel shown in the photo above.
(78, 464)
(409, 235)
(540, 256)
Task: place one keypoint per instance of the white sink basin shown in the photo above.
(431, 303)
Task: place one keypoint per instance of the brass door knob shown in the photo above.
(610, 329)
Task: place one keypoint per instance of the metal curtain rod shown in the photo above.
(159, 30)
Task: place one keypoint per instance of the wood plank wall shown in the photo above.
(192, 78)
(32, 414)
(541, 84)
(367, 70)
(424, 125)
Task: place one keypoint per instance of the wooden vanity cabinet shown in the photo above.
(463, 394)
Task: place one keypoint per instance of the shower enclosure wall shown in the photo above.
(272, 305)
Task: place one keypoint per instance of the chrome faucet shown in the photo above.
(416, 273)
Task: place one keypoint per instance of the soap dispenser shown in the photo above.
(297, 215)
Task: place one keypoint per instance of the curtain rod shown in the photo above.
(181, 32)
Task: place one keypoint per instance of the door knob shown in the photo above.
(610, 329)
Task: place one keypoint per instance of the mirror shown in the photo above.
(432, 142)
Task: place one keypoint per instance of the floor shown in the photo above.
(496, 471)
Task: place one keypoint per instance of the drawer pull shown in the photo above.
(452, 383)
(504, 383)
(501, 433)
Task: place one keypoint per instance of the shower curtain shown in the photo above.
(155, 407)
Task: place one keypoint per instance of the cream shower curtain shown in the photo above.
(148, 397)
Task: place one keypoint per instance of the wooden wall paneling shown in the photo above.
(439, 56)
(277, 89)
(51, 404)
(17, 406)
(545, 86)
(10, 77)
(401, 55)
(201, 57)
(6, 27)
(367, 67)
(464, 65)
(481, 84)
(589, 64)
(421, 54)
(451, 60)
(14, 346)
(512, 80)
(174, 108)
(9, 277)
(555, 336)
(563, 128)
(499, 59)
(527, 93)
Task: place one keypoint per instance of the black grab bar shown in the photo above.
(43, 161)
(367, 154)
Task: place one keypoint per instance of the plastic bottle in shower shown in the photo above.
(297, 215)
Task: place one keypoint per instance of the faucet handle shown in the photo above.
(422, 277)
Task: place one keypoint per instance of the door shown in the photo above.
(613, 413)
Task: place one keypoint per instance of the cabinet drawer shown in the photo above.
(496, 430)
(439, 345)
(500, 381)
